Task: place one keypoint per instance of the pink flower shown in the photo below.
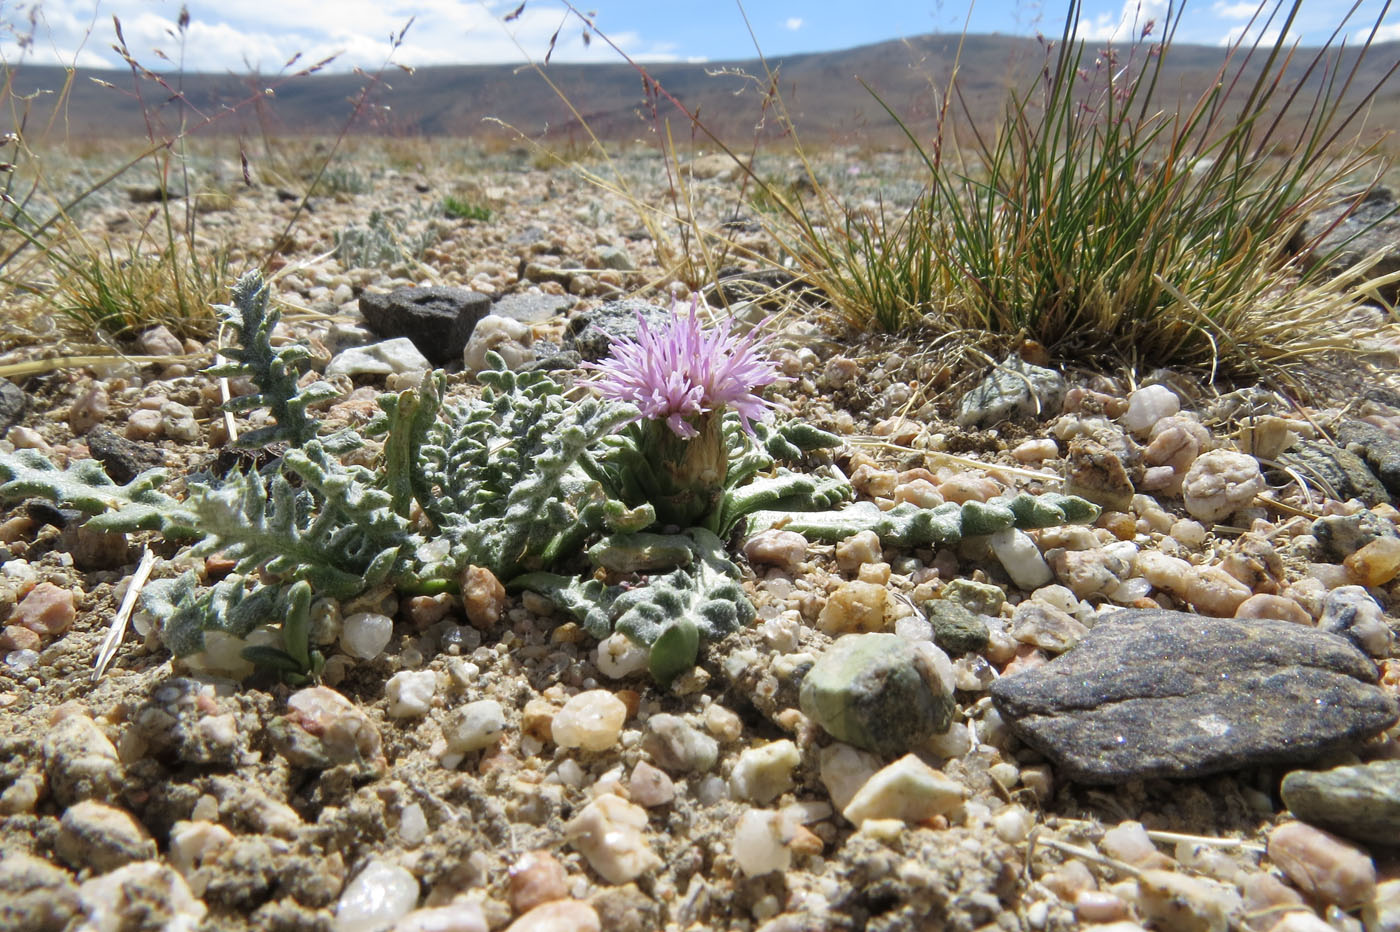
(683, 370)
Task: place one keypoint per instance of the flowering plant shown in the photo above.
(682, 377)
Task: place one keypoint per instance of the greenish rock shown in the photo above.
(979, 597)
(875, 691)
(1360, 802)
(956, 629)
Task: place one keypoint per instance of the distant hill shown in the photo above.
(822, 93)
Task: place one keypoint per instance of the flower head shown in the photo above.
(682, 370)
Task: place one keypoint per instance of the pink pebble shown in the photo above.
(47, 610)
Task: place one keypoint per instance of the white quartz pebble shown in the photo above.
(610, 834)
(619, 656)
(908, 789)
(474, 726)
(410, 693)
(1219, 483)
(1147, 406)
(758, 843)
(845, 769)
(1021, 558)
(365, 634)
(463, 916)
(763, 773)
(379, 895)
(591, 720)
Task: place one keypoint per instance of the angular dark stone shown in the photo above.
(439, 319)
(1344, 472)
(122, 459)
(1152, 693)
(1343, 535)
(1380, 450)
(591, 333)
(1013, 390)
(956, 629)
(13, 403)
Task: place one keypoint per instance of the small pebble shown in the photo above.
(618, 656)
(483, 597)
(1172, 902)
(1323, 865)
(474, 726)
(763, 773)
(1021, 559)
(339, 729)
(192, 843)
(378, 896)
(47, 610)
(857, 550)
(559, 916)
(131, 896)
(855, 606)
(785, 549)
(1220, 483)
(364, 635)
(758, 846)
(1377, 563)
(1129, 842)
(609, 833)
(537, 877)
(462, 916)
(410, 693)
(649, 786)
(677, 746)
(95, 836)
(1149, 405)
(91, 409)
(592, 721)
(1263, 605)
(907, 789)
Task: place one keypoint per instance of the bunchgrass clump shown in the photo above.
(1103, 221)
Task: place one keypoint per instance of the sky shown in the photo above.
(263, 35)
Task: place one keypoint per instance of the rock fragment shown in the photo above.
(610, 834)
(1361, 802)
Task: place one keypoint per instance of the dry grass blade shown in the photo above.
(108, 649)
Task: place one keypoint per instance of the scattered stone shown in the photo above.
(1377, 563)
(758, 843)
(763, 773)
(90, 409)
(1014, 389)
(377, 359)
(13, 404)
(1149, 405)
(616, 257)
(609, 833)
(532, 308)
(1220, 483)
(1342, 474)
(1382, 914)
(80, 761)
(483, 597)
(592, 332)
(980, 597)
(1378, 449)
(956, 630)
(1361, 802)
(178, 422)
(1156, 693)
(122, 459)
(380, 894)
(618, 656)
(592, 721)
(47, 610)
(461, 916)
(1046, 627)
(474, 726)
(1343, 535)
(877, 692)
(193, 843)
(786, 549)
(144, 895)
(1021, 559)
(650, 787)
(1351, 612)
(537, 877)
(510, 339)
(97, 837)
(559, 916)
(364, 635)
(159, 341)
(1174, 902)
(907, 789)
(35, 896)
(858, 549)
(323, 728)
(677, 746)
(854, 606)
(1095, 472)
(410, 693)
(1322, 865)
(438, 319)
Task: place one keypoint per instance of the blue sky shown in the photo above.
(233, 34)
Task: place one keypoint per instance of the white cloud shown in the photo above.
(1243, 10)
(265, 34)
(1387, 33)
(793, 23)
(1127, 25)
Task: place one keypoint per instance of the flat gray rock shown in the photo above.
(591, 333)
(1344, 472)
(532, 308)
(1380, 450)
(1361, 802)
(1153, 693)
(1372, 225)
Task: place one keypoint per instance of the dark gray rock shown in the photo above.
(877, 692)
(1341, 471)
(591, 333)
(1013, 389)
(122, 459)
(1152, 693)
(438, 319)
(1361, 802)
(13, 403)
(532, 308)
(1373, 225)
(1343, 535)
(956, 629)
(1379, 449)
